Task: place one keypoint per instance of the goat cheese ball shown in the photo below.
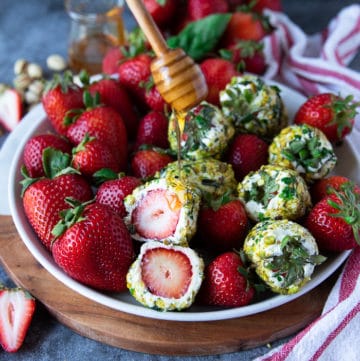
(204, 132)
(284, 254)
(274, 192)
(165, 277)
(304, 149)
(209, 177)
(254, 106)
(162, 210)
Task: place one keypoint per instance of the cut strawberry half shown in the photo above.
(10, 108)
(166, 272)
(16, 311)
(157, 216)
(165, 277)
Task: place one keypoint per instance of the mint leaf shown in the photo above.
(200, 37)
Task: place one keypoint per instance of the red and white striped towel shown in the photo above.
(312, 65)
(335, 335)
(317, 63)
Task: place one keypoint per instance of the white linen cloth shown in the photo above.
(312, 65)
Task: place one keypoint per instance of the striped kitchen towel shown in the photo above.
(335, 335)
(317, 63)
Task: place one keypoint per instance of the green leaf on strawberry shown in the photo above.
(200, 37)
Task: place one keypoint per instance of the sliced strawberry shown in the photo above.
(166, 272)
(157, 215)
(16, 311)
(10, 108)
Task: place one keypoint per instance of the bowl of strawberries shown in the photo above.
(243, 203)
(91, 247)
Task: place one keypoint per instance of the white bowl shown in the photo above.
(349, 165)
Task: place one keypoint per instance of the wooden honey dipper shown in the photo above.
(177, 77)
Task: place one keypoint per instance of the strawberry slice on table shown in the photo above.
(11, 108)
(165, 277)
(17, 308)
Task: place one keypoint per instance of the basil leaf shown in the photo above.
(200, 37)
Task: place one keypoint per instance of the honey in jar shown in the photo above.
(95, 27)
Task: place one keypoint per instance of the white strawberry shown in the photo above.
(10, 108)
(162, 210)
(16, 311)
(165, 277)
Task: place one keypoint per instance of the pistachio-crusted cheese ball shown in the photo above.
(210, 177)
(284, 254)
(253, 106)
(162, 210)
(165, 277)
(274, 192)
(305, 149)
(204, 132)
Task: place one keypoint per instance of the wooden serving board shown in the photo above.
(136, 333)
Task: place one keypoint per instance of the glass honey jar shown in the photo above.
(95, 27)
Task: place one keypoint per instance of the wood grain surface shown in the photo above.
(147, 335)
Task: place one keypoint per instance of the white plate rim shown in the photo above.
(38, 117)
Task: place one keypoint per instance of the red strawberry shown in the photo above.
(91, 155)
(60, 97)
(245, 26)
(247, 153)
(198, 9)
(161, 11)
(166, 272)
(335, 220)
(224, 285)
(11, 108)
(145, 163)
(321, 188)
(223, 228)
(95, 248)
(218, 73)
(106, 125)
(332, 114)
(157, 215)
(247, 55)
(44, 198)
(152, 130)
(112, 192)
(153, 98)
(111, 60)
(33, 151)
(113, 94)
(134, 73)
(17, 310)
(261, 5)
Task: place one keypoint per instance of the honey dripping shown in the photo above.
(179, 126)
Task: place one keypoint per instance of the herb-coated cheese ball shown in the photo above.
(254, 106)
(284, 254)
(305, 149)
